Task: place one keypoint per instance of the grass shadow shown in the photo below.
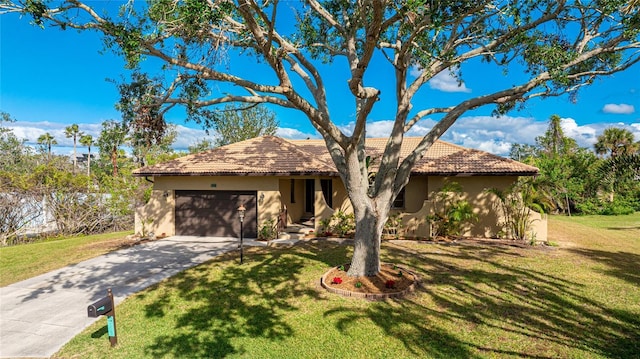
(225, 301)
(622, 265)
(487, 288)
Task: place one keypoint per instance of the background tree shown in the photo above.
(554, 141)
(202, 145)
(561, 46)
(615, 141)
(523, 152)
(87, 141)
(147, 153)
(74, 132)
(14, 154)
(112, 137)
(46, 141)
(234, 124)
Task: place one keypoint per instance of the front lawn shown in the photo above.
(578, 300)
(29, 260)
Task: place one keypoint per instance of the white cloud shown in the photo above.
(445, 81)
(30, 131)
(585, 135)
(415, 71)
(293, 134)
(190, 136)
(618, 109)
(485, 133)
(635, 129)
(491, 134)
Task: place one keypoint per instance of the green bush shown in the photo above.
(343, 224)
(340, 224)
(268, 230)
(452, 214)
(617, 207)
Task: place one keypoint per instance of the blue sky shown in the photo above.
(50, 79)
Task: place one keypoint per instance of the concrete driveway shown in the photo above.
(39, 315)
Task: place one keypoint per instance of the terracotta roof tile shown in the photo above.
(271, 155)
(259, 156)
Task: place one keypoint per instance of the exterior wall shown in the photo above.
(341, 201)
(161, 207)
(486, 204)
(295, 209)
(416, 209)
(158, 215)
(539, 226)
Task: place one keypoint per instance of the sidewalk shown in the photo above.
(39, 315)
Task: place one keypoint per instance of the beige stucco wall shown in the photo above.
(274, 195)
(157, 216)
(295, 209)
(539, 225)
(161, 207)
(486, 204)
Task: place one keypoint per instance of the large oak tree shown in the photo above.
(554, 46)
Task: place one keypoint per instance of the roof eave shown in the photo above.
(473, 174)
(242, 174)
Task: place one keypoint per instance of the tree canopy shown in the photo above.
(556, 47)
(235, 124)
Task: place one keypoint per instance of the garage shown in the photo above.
(215, 213)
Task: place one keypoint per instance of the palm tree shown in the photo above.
(616, 141)
(73, 132)
(87, 140)
(46, 141)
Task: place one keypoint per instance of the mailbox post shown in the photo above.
(105, 306)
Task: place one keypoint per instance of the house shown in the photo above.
(295, 180)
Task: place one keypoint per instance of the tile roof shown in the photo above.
(269, 155)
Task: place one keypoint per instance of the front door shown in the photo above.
(309, 196)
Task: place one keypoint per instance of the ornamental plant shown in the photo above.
(358, 284)
(390, 283)
(336, 280)
(341, 267)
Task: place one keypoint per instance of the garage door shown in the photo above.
(215, 213)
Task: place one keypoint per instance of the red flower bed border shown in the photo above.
(327, 284)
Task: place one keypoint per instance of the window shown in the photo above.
(398, 203)
(293, 191)
(327, 191)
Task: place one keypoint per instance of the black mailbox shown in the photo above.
(101, 307)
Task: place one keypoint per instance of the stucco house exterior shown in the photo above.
(294, 180)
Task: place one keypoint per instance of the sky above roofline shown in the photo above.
(50, 79)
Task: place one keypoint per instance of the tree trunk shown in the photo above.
(366, 251)
(114, 161)
(89, 163)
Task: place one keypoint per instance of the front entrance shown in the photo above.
(309, 196)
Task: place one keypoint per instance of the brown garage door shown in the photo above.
(215, 213)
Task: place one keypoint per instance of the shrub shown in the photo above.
(452, 214)
(340, 224)
(516, 203)
(268, 230)
(392, 226)
(344, 224)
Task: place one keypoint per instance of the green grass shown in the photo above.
(577, 300)
(25, 261)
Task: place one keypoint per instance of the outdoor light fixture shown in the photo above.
(241, 211)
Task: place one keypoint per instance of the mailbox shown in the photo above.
(101, 307)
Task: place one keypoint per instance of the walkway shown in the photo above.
(39, 315)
